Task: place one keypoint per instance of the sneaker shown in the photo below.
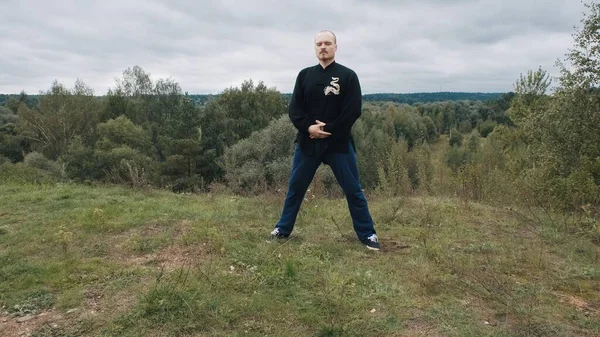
(276, 234)
(372, 242)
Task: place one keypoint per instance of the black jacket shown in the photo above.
(331, 95)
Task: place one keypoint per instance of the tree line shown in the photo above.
(13, 100)
(530, 145)
(145, 131)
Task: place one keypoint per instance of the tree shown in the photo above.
(12, 145)
(530, 101)
(562, 131)
(61, 115)
(584, 57)
(456, 138)
(170, 120)
(121, 131)
(535, 83)
(235, 115)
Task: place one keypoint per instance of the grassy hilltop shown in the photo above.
(108, 261)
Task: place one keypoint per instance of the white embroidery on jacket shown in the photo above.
(334, 87)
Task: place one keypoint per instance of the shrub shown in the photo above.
(22, 173)
(456, 137)
(39, 161)
(263, 160)
(486, 128)
(4, 160)
(126, 165)
(81, 163)
(455, 158)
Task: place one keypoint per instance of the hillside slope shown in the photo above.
(108, 261)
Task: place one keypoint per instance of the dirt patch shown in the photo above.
(417, 327)
(155, 229)
(527, 232)
(346, 238)
(92, 299)
(392, 246)
(54, 323)
(27, 325)
(579, 303)
(488, 316)
(169, 258)
(174, 255)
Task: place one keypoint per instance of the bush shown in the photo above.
(81, 163)
(456, 137)
(4, 160)
(277, 172)
(262, 161)
(39, 161)
(486, 128)
(191, 184)
(370, 151)
(21, 173)
(424, 168)
(126, 165)
(465, 126)
(393, 171)
(325, 184)
(455, 158)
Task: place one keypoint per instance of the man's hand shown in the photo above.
(316, 130)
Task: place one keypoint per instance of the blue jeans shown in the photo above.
(345, 169)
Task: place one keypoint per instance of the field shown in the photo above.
(80, 260)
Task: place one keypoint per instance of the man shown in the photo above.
(325, 103)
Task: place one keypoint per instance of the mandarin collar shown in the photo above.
(330, 66)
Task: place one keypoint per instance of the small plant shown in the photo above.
(146, 245)
(290, 269)
(37, 301)
(64, 238)
(98, 213)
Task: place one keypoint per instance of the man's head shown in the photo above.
(325, 45)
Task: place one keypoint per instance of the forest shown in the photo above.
(532, 144)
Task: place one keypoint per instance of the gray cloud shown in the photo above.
(394, 46)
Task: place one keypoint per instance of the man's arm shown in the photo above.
(351, 108)
(297, 110)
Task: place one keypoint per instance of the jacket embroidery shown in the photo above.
(334, 87)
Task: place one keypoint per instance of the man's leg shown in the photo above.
(303, 171)
(345, 169)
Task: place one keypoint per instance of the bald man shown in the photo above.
(326, 102)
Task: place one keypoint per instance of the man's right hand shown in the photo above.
(316, 131)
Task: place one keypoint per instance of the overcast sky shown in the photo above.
(207, 46)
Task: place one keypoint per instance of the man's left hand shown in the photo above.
(316, 130)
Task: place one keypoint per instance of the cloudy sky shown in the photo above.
(207, 46)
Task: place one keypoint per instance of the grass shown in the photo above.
(110, 261)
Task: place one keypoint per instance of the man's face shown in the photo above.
(325, 46)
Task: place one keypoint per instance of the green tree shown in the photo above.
(61, 115)
(530, 99)
(562, 131)
(12, 144)
(121, 131)
(456, 138)
(262, 160)
(485, 128)
(171, 122)
(235, 114)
